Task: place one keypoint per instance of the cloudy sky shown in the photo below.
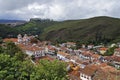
(58, 9)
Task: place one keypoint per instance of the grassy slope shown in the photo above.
(83, 29)
(34, 27)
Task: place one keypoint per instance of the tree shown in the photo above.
(13, 69)
(4, 61)
(110, 51)
(1, 40)
(20, 55)
(27, 69)
(34, 40)
(47, 70)
(11, 48)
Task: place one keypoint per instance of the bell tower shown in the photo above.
(25, 38)
(19, 38)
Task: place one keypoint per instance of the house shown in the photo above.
(88, 72)
(107, 59)
(116, 61)
(83, 46)
(62, 45)
(50, 50)
(106, 75)
(95, 56)
(35, 51)
(82, 50)
(63, 49)
(76, 60)
(87, 55)
(70, 44)
(10, 40)
(103, 50)
(74, 75)
(95, 59)
(32, 50)
(117, 52)
(77, 52)
(106, 72)
(63, 56)
(90, 46)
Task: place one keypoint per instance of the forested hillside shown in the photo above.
(97, 29)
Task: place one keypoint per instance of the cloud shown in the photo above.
(58, 9)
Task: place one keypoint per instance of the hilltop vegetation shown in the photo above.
(93, 29)
(35, 26)
(97, 29)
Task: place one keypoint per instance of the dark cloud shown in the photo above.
(58, 9)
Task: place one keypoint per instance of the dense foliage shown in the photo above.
(110, 51)
(93, 30)
(48, 70)
(16, 65)
(35, 26)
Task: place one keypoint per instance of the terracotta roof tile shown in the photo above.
(103, 48)
(63, 53)
(10, 39)
(90, 70)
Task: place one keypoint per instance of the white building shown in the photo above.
(63, 56)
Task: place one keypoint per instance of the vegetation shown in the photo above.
(15, 65)
(48, 70)
(110, 51)
(7, 31)
(35, 26)
(94, 30)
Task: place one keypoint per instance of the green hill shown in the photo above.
(93, 29)
(97, 29)
(35, 26)
(7, 31)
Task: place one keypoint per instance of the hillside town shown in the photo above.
(86, 63)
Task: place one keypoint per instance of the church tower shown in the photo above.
(25, 39)
(19, 38)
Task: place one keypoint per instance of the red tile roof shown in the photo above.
(89, 70)
(63, 53)
(116, 58)
(117, 49)
(103, 48)
(106, 75)
(10, 39)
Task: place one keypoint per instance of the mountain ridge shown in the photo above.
(96, 29)
(3, 21)
(85, 29)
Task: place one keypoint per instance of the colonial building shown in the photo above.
(116, 61)
(103, 50)
(117, 52)
(20, 40)
(63, 56)
(88, 72)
